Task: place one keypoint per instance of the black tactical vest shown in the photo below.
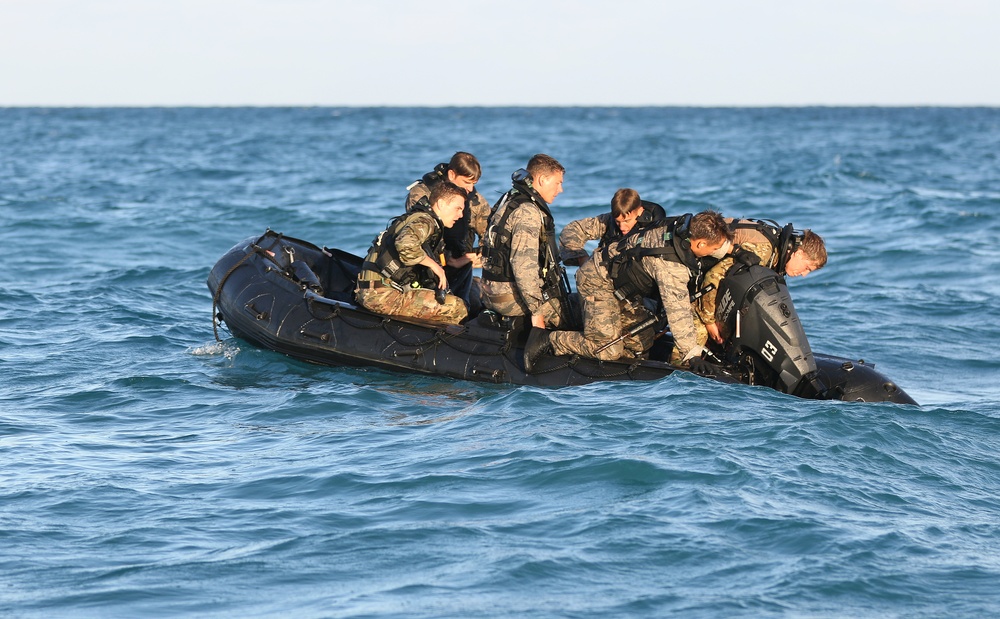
(629, 276)
(499, 235)
(652, 216)
(383, 257)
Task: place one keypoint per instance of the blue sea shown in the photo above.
(147, 470)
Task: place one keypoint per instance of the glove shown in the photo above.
(746, 257)
(699, 365)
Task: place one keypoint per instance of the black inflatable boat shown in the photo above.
(293, 297)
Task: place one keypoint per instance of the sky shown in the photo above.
(486, 52)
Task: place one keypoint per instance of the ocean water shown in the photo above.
(148, 470)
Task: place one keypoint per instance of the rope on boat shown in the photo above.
(572, 365)
(222, 282)
(449, 339)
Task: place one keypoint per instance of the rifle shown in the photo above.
(562, 283)
(649, 322)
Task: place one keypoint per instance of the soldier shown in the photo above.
(460, 256)
(667, 258)
(779, 249)
(521, 272)
(403, 273)
(628, 213)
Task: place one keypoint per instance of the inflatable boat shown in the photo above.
(297, 298)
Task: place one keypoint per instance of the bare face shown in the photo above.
(799, 264)
(549, 186)
(702, 247)
(449, 210)
(465, 182)
(627, 221)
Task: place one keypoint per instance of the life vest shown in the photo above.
(499, 235)
(652, 216)
(383, 257)
(624, 260)
(788, 241)
(783, 240)
(435, 176)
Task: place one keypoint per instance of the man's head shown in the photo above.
(709, 234)
(810, 256)
(626, 207)
(448, 203)
(547, 176)
(464, 170)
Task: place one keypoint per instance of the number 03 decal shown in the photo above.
(769, 350)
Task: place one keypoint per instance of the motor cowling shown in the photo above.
(763, 334)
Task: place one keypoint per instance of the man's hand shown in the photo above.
(699, 365)
(458, 262)
(714, 332)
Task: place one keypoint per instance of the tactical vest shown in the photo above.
(458, 239)
(652, 216)
(499, 235)
(627, 273)
(383, 257)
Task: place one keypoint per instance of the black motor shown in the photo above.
(763, 335)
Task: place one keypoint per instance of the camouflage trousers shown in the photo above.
(603, 319)
(677, 356)
(510, 304)
(418, 303)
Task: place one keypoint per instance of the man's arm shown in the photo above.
(526, 223)
(672, 279)
(574, 237)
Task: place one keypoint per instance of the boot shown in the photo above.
(537, 345)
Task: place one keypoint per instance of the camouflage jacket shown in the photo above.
(411, 241)
(747, 238)
(527, 227)
(460, 239)
(672, 278)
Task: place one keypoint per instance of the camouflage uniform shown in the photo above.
(526, 224)
(475, 217)
(418, 303)
(603, 317)
(603, 321)
(379, 295)
(748, 239)
(575, 235)
(460, 238)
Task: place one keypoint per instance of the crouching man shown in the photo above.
(666, 260)
(403, 273)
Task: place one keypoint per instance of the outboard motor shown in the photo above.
(763, 335)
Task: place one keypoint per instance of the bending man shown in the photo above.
(667, 260)
(779, 249)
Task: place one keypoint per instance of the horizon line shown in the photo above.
(495, 106)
